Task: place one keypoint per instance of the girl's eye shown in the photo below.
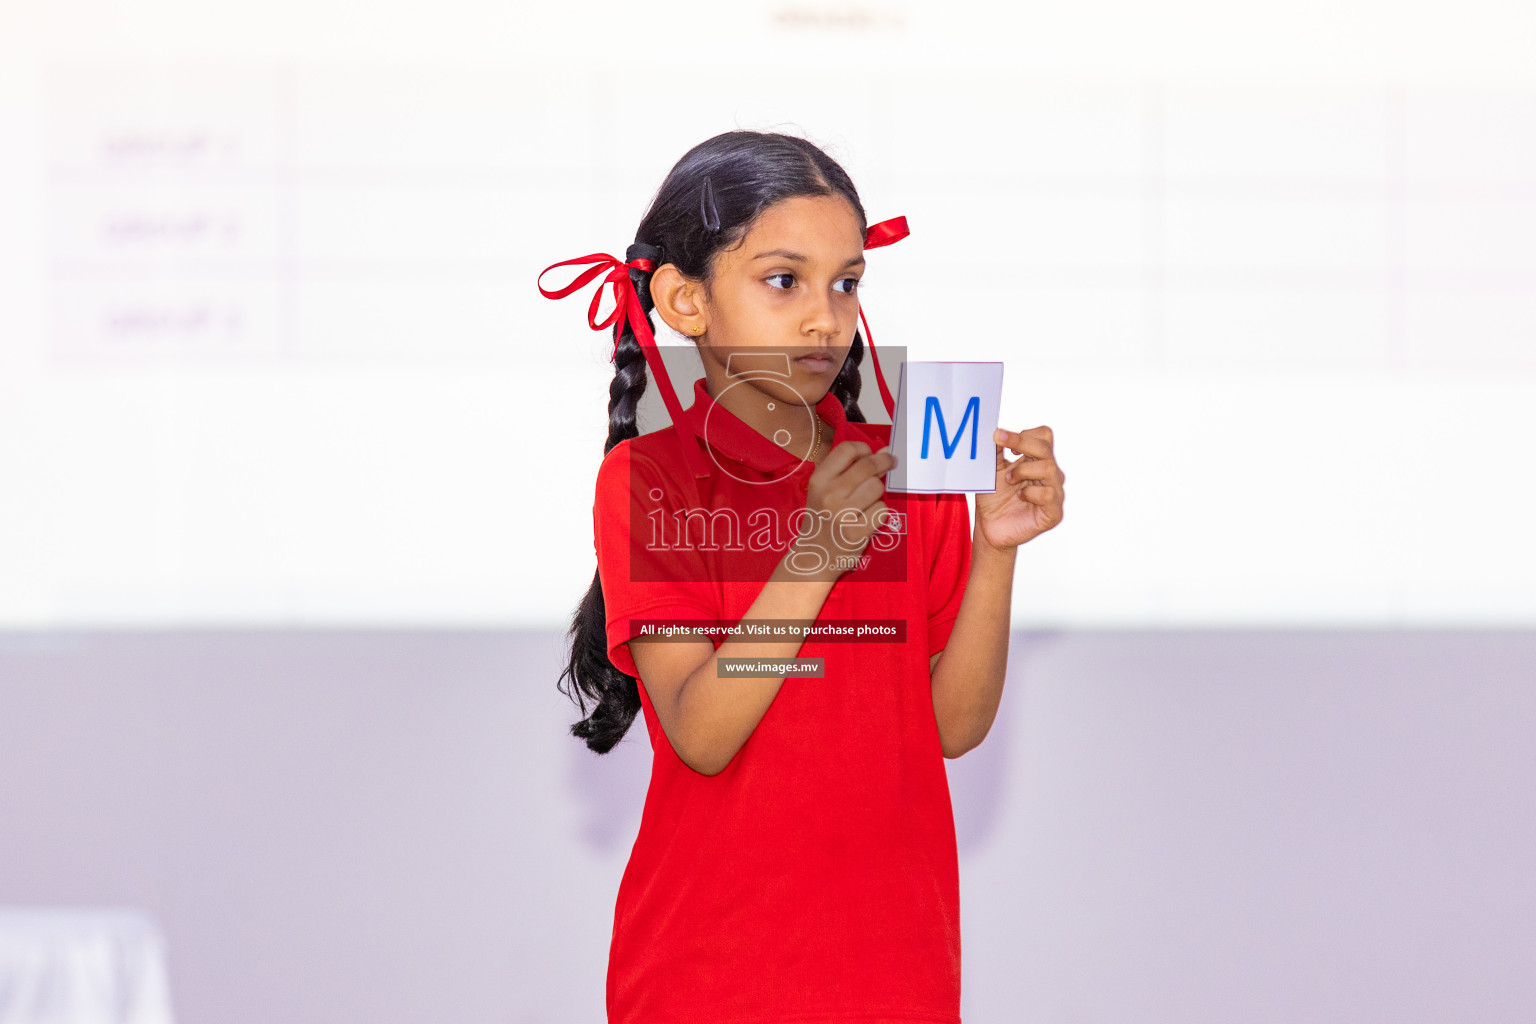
(784, 282)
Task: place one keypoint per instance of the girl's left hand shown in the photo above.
(1030, 490)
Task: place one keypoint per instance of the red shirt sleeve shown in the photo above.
(641, 579)
(949, 567)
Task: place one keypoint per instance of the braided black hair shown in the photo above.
(708, 202)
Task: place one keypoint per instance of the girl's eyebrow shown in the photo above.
(857, 261)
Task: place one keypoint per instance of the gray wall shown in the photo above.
(1184, 827)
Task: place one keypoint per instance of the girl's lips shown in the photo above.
(815, 363)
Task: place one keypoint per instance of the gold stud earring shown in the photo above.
(697, 329)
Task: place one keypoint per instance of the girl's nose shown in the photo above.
(820, 318)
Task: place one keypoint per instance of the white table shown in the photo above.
(82, 966)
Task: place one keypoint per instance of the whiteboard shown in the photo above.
(271, 352)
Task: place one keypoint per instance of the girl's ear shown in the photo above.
(679, 300)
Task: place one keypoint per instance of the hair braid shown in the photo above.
(615, 693)
(848, 381)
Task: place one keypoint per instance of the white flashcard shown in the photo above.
(941, 434)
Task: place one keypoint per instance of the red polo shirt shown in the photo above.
(815, 878)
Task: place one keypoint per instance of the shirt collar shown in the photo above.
(733, 437)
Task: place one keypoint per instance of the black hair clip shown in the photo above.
(707, 208)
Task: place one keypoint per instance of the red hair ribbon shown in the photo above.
(884, 233)
(627, 306)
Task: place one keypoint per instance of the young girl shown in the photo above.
(796, 856)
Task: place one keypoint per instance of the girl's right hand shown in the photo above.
(844, 508)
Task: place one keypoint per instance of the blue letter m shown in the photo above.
(972, 416)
